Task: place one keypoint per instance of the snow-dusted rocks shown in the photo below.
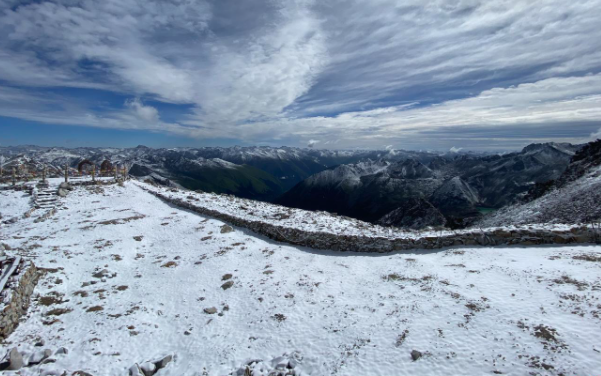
(12, 361)
(150, 368)
(285, 365)
(210, 310)
(19, 278)
(226, 229)
(39, 356)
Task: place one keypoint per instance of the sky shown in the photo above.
(412, 74)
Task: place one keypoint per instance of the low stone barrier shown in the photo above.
(19, 187)
(15, 296)
(354, 243)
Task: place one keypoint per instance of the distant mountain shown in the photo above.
(399, 188)
(456, 186)
(573, 197)
(261, 173)
(415, 213)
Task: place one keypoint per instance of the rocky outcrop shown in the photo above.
(15, 360)
(15, 296)
(149, 368)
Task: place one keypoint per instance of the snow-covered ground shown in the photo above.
(129, 278)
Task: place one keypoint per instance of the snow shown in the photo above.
(467, 310)
(14, 203)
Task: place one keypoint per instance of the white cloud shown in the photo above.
(455, 149)
(268, 72)
(147, 113)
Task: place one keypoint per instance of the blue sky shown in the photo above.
(331, 74)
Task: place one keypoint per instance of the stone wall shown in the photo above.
(323, 240)
(14, 298)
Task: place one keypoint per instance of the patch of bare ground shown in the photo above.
(402, 278)
(587, 257)
(120, 221)
(58, 311)
(279, 317)
(169, 264)
(565, 279)
(95, 309)
(49, 300)
(401, 338)
(545, 332)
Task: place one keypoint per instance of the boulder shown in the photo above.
(61, 351)
(227, 285)
(163, 362)
(148, 368)
(225, 229)
(38, 356)
(13, 360)
(211, 310)
(415, 355)
(135, 371)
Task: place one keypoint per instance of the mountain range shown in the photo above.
(395, 188)
(447, 190)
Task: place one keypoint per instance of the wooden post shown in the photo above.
(93, 172)
(14, 176)
(115, 172)
(66, 173)
(124, 173)
(44, 174)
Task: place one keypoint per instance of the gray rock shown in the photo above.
(148, 368)
(225, 277)
(225, 229)
(38, 356)
(415, 355)
(211, 310)
(65, 186)
(15, 360)
(61, 192)
(163, 362)
(227, 285)
(135, 371)
(61, 351)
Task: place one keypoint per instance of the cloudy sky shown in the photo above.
(412, 74)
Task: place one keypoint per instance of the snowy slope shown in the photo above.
(467, 311)
(577, 201)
